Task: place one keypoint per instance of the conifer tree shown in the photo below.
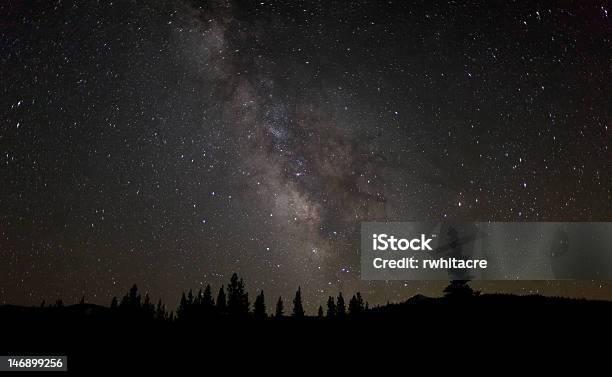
(280, 308)
(356, 305)
(199, 298)
(298, 309)
(259, 307)
(331, 307)
(182, 310)
(221, 302)
(160, 311)
(190, 298)
(340, 307)
(207, 301)
(133, 296)
(237, 298)
(147, 307)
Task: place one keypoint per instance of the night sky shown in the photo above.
(171, 143)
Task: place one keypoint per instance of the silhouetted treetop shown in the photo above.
(298, 309)
(356, 305)
(259, 307)
(340, 307)
(221, 301)
(280, 308)
(237, 297)
(331, 307)
(458, 289)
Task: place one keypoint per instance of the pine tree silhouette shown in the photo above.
(237, 298)
(160, 311)
(259, 307)
(147, 308)
(134, 297)
(130, 303)
(183, 308)
(320, 312)
(190, 299)
(356, 305)
(340, 307)
(331, 307)
(208, 303)
(221, 302)
(114, 303)
(280, 308)
(360, 301)
(298, 309)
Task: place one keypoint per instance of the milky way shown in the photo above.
(172, 143)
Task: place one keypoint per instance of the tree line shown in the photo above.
(231, 301)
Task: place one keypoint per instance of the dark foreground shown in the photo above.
(95, 339)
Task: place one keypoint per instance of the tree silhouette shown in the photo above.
(320, 312)
(356, 305)
(147, 308)
(331, 307)
(208, 303)
(198, 300)
(114, 304)
(340, 307)
(280, 308)
(259, 307)
(160, 311)
(459, 289)
(237, 298)
(134, 297)
(189, 298)
(130, 303)
(221, 301)
(183, 309)
(298, 309)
